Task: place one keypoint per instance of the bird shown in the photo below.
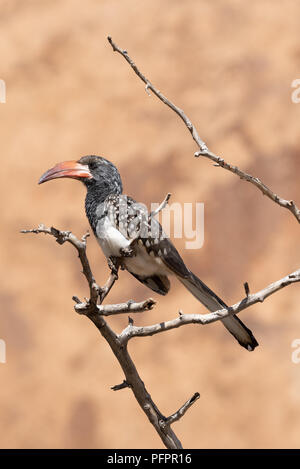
(125, 232)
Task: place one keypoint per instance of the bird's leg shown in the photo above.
(129, 250)
(113, 264)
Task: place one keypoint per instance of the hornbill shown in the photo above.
(125, 231)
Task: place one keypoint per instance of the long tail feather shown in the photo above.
(212, 302)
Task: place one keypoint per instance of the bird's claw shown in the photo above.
(127, 252)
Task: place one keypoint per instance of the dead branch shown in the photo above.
(118, 343)
(203, 319)
(203, 150)
(95, 313)
(183, 409)
(161, 206)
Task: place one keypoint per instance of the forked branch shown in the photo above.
(96, 314)
(118, 343)
(204, 319)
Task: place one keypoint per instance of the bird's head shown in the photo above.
(94, 171)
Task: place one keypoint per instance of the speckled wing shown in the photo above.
(159, 251)
(132, 219)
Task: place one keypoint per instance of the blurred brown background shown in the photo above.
(230, 68)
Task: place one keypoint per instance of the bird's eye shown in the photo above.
(92, 165)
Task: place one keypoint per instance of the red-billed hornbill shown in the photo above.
(117, 219)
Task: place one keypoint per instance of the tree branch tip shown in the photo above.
(123, 385)
(76, 299)
(161, 206)
(247, 289)
(149, 304)
(39, 229)
(114, 46)
(195, 397)
(183, 409)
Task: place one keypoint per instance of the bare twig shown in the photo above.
(288, 204)
(123, 385)
(104, 291)
(204, 151)
(92, 310)
(118, 343)
(161, 206)
(121, 308)
(134, 331)
(247, 289)
(166, 101)
(180, 412)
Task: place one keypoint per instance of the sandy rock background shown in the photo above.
(230, 68)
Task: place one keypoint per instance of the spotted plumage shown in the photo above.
(124, 229)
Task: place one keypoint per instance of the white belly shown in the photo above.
(143, 264)
(110, 239)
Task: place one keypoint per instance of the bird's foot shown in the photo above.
(127, 252)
